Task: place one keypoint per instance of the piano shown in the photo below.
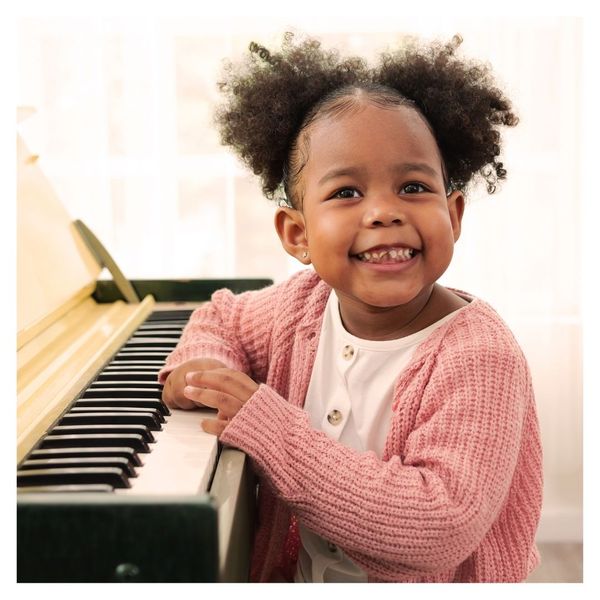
(112, 486)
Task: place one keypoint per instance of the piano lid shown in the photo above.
(55, 269)
(63, 335)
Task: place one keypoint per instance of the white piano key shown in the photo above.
(182, 459)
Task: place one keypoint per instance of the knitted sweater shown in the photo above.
(456, 495)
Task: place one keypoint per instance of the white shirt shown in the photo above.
(350, 399)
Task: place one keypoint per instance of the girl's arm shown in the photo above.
(234, 330)
(411, 515)
(223, 333)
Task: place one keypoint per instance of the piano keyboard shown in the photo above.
(118, 436)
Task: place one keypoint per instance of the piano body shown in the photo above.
(110, 487)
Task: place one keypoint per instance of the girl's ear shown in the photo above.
(291, 230)
(456, 208)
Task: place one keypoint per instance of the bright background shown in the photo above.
(123, 129)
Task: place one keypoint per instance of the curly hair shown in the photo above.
(272, 97)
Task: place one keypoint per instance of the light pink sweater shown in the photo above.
(458, 492)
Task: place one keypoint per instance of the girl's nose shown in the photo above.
(383, 213)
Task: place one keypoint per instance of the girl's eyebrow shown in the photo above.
(418, 166)
(400, 168)
(340, 172)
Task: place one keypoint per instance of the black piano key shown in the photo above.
(145, 354)
(157, 415)
(84, 475)
(182, 315)
(129, 384)
(154, 341)
(117, 462)
(150, 376)
(89, 488)
(164, 323)
(104, 429)
(122, 392)
(88, 452)
(145, 364)
(151, 342)
(134, 358)
(148, 356)
(160, 326)
(111, 418)
(137, 345)
(132, 361)
(140, 366)
(181, 320)
(159, 329)
(133, 440)
(151, 351)
(124, 402)
(168, 335)
(137, 368)
(155, 334)
(138, 371)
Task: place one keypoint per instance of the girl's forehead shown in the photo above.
(372, 128)
(366, 112)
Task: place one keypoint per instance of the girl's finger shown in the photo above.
(173, 400)
(214, 426)
(229, 381)
(227, 405)
(182, 403)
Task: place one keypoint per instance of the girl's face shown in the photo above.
(375, 218)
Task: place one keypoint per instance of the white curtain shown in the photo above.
(123, 130)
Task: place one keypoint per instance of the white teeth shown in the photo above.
(394, 254)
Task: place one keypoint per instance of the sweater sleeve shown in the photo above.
(418, 513)
(235, 329)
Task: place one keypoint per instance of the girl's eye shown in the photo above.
(346, 193)
(414, 188)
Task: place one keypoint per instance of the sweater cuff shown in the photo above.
(260, 424)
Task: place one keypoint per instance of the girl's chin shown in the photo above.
(381, 301)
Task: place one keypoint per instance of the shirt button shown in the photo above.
(348, 352)
(331, 547)
(334, 417)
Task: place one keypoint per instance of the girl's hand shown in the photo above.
(172, 394)
(225, 389)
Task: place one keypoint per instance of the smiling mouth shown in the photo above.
(387, 255)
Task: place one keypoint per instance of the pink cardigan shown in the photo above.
(457, 494)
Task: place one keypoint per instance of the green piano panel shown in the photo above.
(110, 539)
(177, 290)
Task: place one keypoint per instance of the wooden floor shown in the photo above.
(560, 563)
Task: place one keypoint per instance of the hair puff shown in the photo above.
(268, 95)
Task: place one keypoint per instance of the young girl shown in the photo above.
(391, 421)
